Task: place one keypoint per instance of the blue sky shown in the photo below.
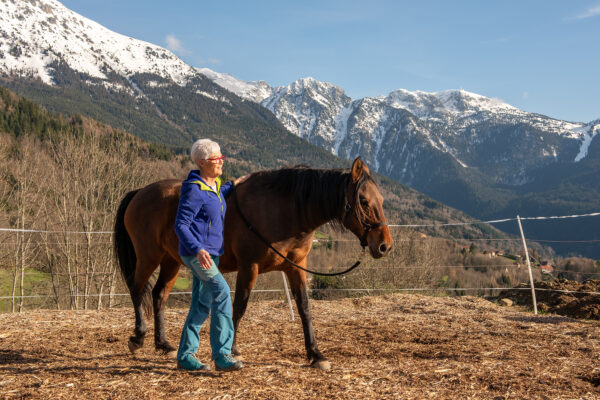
(541, 56)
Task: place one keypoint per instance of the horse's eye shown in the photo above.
(364, 202)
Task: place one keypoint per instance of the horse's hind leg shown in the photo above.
(140, 296)
(297, 280)
(246, 278)
(169, 268)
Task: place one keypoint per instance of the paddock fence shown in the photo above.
(91, 280)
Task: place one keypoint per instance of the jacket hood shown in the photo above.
(194, 175)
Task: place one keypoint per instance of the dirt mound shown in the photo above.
(561, 296)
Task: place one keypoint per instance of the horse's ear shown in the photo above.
(358, 168)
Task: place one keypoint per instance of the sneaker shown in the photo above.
(190, 363)
(227, 362)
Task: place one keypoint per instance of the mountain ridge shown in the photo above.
(463, 149)
(474, 153)
(453, 104)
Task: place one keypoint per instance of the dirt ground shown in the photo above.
(395, 346)
(581, 301)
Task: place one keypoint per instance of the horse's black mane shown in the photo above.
(319, 190)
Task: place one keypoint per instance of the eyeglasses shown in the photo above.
(216, 159)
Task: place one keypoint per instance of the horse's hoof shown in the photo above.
(171, 354)
(133, 347)
(323, 365)
(167, 350)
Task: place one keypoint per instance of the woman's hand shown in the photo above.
(240, 179)
(204, 259)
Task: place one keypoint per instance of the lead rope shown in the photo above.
(251, 228)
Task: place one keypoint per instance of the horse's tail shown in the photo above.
(125, 253)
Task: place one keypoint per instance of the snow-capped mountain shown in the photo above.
(35, 34)
(120, 80)
(393, 132)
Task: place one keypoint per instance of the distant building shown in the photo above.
(546, 268)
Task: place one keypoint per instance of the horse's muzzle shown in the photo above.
(384, 248)
(380, 242)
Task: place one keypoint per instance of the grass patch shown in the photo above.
(322, 236)
(34, 283)
(182, 283)
(32, 280)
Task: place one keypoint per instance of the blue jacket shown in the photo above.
(201, 216)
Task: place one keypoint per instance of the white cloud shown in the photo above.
(503, 39)
(207, 61)
(174, 44)
(525, 95)
(590, 12)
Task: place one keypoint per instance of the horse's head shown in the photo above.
(363, 211)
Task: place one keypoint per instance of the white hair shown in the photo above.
(203, 148)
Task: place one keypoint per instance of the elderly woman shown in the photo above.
(199, 226)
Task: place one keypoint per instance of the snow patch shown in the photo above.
(254, 91)
(341, 127)
(588, 133)
(205, 94)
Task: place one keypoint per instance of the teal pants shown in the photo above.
(210, 293)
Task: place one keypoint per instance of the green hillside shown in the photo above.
(175, 116)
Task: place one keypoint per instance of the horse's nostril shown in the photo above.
(383, 248)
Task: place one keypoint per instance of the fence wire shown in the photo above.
(368, 290)
(496, 221)
(430, 289)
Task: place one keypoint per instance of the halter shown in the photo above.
(368, 227)
(347, 207)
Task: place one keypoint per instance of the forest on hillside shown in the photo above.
(62, 175)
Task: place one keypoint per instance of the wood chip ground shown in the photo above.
(384, 347)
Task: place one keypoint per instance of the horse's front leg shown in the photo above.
(246, 278)
(297, 280)
(169, 268)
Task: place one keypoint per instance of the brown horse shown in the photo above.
(285, 206)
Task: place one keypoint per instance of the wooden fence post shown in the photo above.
(528, 267)
(287, 295)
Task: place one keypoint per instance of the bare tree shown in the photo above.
(25, 195)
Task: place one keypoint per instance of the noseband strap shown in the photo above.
(368, 227)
